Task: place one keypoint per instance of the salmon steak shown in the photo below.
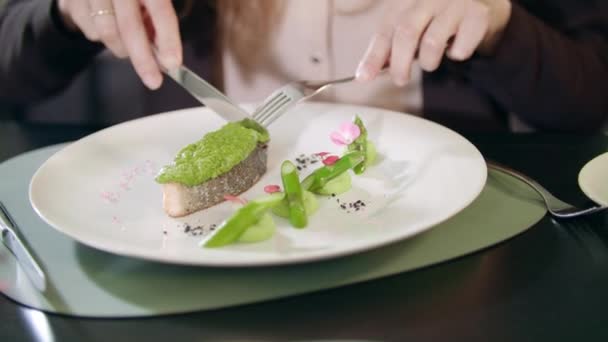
(180, 200)
(228, 161)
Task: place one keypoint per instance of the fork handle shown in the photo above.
(555, 206)
(317, 84)
(544, 193)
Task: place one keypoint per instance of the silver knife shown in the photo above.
(20, 250)
(207, 94)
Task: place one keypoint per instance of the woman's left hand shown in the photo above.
(428, 30)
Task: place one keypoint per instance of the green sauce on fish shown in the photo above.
(215, 154)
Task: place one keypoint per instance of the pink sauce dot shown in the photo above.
(331, 160)
(109, 196)
(130, 174)
(150, 166)
(271, 189)
(127, 179)
(116, 220)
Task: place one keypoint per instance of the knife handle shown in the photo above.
(21, 250)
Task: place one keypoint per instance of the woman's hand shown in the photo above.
(430, 29)
(130, 28)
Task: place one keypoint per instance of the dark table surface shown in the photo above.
(549, 283)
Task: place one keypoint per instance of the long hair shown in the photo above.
(243, 26)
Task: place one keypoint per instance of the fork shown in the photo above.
(287, 96)
(554, 205)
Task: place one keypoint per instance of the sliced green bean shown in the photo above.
(321, 176)
(294, 195)
(245, 217)
(360, 145)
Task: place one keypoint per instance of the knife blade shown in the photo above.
(207, 94)
(21, 251)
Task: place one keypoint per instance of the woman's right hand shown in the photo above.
(132, 29)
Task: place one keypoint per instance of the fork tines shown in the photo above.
(271, 109)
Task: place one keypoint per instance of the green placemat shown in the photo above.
(87, 282)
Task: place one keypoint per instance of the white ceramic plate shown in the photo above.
(101, 191)
(593, 179)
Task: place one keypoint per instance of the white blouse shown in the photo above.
(319, 40)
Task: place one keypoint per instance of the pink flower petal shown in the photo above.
(271, 189)
(338, 139)
(350, 131)
(322, 154)
(331, 160)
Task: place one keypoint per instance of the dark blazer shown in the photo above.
(549, 70)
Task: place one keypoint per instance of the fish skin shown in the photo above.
(181, 200)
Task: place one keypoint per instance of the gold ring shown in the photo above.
(102, 12)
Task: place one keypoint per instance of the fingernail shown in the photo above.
(362, 73)
(400, 81)
(152, 81)
(457, 54)
(171, 61)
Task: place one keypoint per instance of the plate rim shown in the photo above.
(583, 177)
